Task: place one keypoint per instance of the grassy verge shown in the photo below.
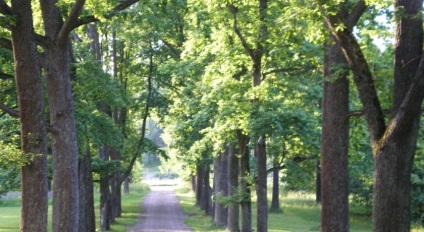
(130, 208)
(10, 211)
(196, 219)
(299, 213)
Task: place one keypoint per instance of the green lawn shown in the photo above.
(10, 211)
(299, 214)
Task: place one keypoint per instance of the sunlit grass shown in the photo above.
(9, 218)
(299, 213)
(10, 211)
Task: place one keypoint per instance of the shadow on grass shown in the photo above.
(10, 211)
(131, 208)
(299, 213)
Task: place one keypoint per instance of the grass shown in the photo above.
(299, 213)
(196, 219)
(131, 208)
(10, 211)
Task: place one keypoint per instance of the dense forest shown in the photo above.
(321, 96)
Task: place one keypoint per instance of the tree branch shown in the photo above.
(296, 159)
(357, 113)
(5, 76)
(241, 73)
(4, 8)
(5, 43)
(361, 75)
(353, 18)
(16, 132)
(9, 110)
(91, 18)
(173, 49)
(281, 167)
(41, 40)
(85, 20)
(143, 127)
(233, 10)
(410, 107)
(71, 20)
(286, 70)
(122, 6)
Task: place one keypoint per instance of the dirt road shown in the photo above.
(161, 212)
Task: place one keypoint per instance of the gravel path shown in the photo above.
(161, 212)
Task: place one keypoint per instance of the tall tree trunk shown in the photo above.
(261, 186)
(127, 185)
(393, 161)
(193, 182)
(93, 34)
(64, 141)
(106, 196)
(334, 143)
(199, 184)
(256, 54)
(105, 206)
(275, 200)
(216, 178)
(233, 223)
(246, 203)
(207, 191)
(220, 184)
(115, 184)
(32, 121)
(87, 220)
(393, 144)
(62, 119)
(114, 153)
(318, 183)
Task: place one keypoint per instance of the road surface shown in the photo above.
(161, 212)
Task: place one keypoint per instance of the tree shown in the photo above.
(56, 66)
(393, 144)
(31, 112)
(220, 178)
(256, 54)
(335, 134)
(334, 145)
(62, 117)
(233, 222)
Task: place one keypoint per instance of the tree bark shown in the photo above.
(34, 184)
(220, 184)
(261, 185)
(393, 145)
(127, 185)
(318, 183)
(393, 161)
(87, 220)
(246, 203)
(106, 197)
(105, 201)
(62, 119)
(256, 54)
(199, 184)
(120, 117)
(207, 191)
(115, 183)
(233, 223)
(193, 181)
(275, 200)
(334, 143)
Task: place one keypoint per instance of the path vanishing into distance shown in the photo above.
(161, 210)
